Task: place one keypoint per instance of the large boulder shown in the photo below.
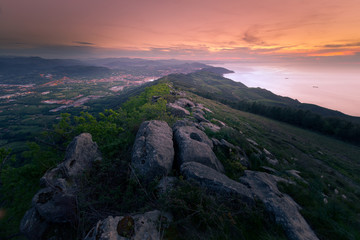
(284, 209)
(80, 154)
(55, 203)
(194, 146)
(138, 227)
(214, 181)
(153, 150)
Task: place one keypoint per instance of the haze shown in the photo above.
(298, 34)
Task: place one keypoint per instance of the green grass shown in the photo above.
(325, 163)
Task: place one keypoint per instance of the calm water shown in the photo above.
(337, 89)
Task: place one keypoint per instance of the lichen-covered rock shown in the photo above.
(194, 146)
(145, 226)
(153, 150)
(55, 203)
(214, 181)
(281, 206)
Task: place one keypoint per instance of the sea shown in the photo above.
(330, 87)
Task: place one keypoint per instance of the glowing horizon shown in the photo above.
(186, 29)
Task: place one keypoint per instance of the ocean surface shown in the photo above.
(330, 87)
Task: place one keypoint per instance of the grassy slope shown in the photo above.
(330, 167)
(206, 83)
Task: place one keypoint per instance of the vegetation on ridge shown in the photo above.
(263, 102)
(325, 164)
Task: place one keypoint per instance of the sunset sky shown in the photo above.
(287, 30)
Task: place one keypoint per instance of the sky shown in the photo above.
(256, 30)
(308, 38)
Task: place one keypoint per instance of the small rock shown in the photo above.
(269, 170)
(216, 142)
(295, 173)
(252, 142)
(200, 118)
(184, 102)
(212, 127)
(220, 123)
(140, 226)
(177, 110)
(325, 201)
(343, 196)
(198, 110)
(272, 161)
(336, 191)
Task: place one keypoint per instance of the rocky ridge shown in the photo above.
(156, 151)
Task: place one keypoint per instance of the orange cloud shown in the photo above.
(331, 54)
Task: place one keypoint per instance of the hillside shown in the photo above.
(320, 173)
(263, 102)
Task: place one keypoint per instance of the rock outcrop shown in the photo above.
(214, 181)
(138, 227)
(153, 150)
(176, 110)
(194, 146)
(55, 203)
(184, 102)
(239, 154)
(284, 209)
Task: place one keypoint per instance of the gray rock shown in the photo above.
(200, 118)
(176, 110)
(238, 153)
(147, 226)
(214, 181)
(295, 174)
(80, 154)
(201, 106)
(284, 209)
(198, 110)
(272, 161)
(32, 225)
(194, 146)
(220, 123)
(55, 203)
(153, 150)
(252, 142)
(184, 102)
(270, 158)
(216, 142)
(268, 170)
(211, 126)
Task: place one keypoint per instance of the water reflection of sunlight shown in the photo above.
(335, 89)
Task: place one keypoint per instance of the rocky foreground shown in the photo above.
(158, 149)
